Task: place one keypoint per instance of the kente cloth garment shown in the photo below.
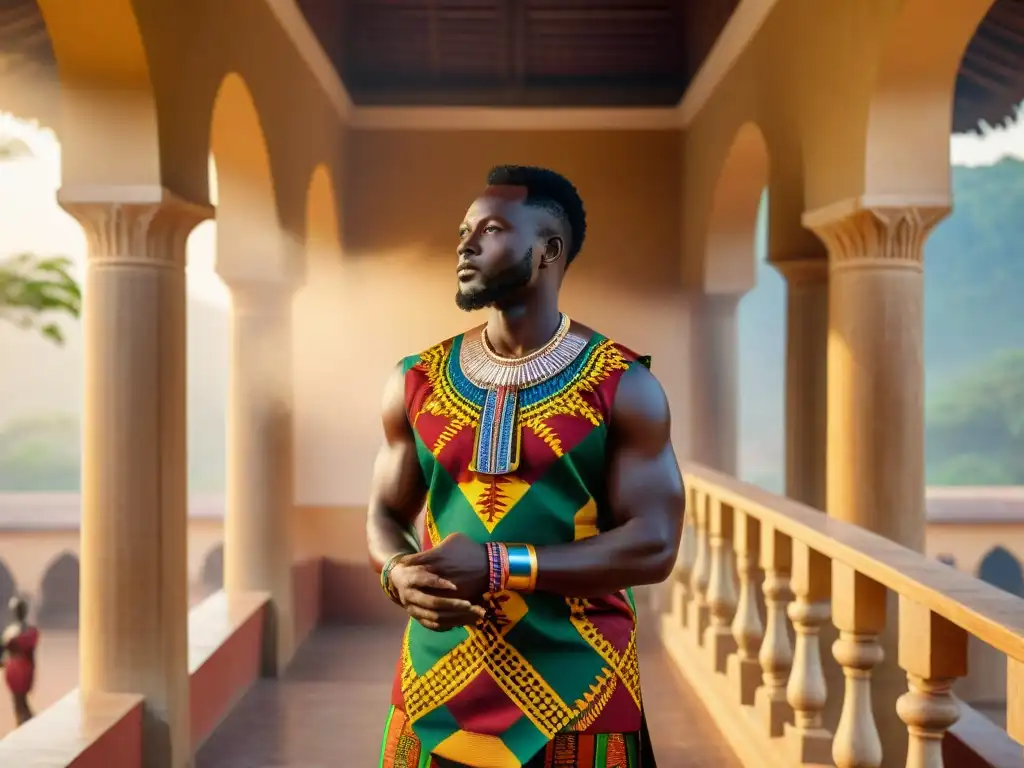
(539, 665)
(402, 749)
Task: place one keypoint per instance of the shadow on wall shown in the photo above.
(58, 607)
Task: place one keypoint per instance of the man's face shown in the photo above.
(495, 248)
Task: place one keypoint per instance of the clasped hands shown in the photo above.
(442, 587)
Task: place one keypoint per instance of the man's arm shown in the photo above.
(397, 492)
(645, 490)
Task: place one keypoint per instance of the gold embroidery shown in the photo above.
(626, 664)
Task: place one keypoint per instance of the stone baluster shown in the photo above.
(697, 620)
(776, 654)
(933, 652)
(681, 594)
(808, 739)
(858, 611)
(747, 629)
(721, 597)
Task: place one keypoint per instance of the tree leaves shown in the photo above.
(33, 289)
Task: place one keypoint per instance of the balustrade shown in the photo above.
(739, 540)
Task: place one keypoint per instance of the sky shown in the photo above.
(31, 220)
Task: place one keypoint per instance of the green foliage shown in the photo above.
(976, 425)
(33, 289)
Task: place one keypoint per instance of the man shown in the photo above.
(540, 451)
(18, 651)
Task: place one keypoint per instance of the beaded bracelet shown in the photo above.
(497, 567)
(522, 567)
(385, 579)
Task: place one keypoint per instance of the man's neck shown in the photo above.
(519, 329)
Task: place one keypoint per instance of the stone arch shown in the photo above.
(8, 587)
(729, 263)
(907, 151)
(109, 71)
(212, 576)
(1001, 569)
(250, 246)
(58, 594)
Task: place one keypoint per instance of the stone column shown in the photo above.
(714, 399)
(134, 584)
(806, 379)
(257, 529)
(875, 464)
(875, 455)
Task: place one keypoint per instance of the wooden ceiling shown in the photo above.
(529, 52)
(990, 85)
(518, 52)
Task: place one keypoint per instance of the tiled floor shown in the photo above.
(328, 711)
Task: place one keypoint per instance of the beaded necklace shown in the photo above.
(496, 450)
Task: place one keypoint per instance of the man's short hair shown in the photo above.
(551, 191)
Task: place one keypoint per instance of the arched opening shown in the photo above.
(212, 577)
(58, 605)
(735, 270)
(730, 266)
(8, 587)
(1001, 569)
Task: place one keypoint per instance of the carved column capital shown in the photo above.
(141, 227)
(882, 236)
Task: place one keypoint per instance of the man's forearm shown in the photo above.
(388, 535)
(642, 551)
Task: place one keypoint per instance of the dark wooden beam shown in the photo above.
(515, 14)
(640, 94)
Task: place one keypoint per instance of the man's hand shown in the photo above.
(459, 561)
(430, 599)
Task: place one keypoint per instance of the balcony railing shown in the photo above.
(758, 579)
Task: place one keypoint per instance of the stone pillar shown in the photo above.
(875, 464)
(257, 527)
(714, 362)
(133, 636)
(806, 379)
(875, 455)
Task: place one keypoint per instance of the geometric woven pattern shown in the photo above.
(538, 665)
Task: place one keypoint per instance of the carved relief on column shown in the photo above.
(135, 232)
(877, 236)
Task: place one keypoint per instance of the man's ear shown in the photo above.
(554, 249)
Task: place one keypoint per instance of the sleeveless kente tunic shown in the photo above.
(540, 665)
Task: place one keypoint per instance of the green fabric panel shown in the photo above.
(426, 647)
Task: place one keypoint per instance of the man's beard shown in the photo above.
(498, 289)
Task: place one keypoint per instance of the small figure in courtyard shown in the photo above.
(19, 642)
(541, 452)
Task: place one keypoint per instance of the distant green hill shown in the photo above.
(974, 313)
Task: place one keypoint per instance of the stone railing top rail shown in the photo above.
(992, 615)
